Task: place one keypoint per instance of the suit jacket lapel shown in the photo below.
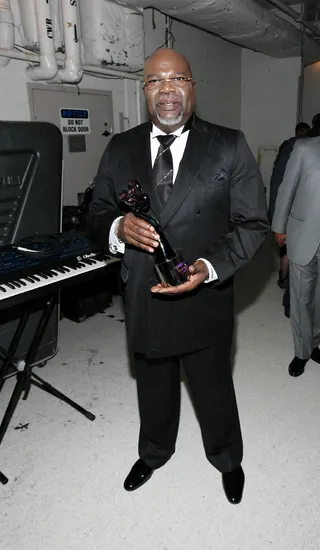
(196, 149)
(141, 161)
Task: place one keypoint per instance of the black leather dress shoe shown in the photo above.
(296, 366)
(233, 483)
(139, 474)
(315, 355)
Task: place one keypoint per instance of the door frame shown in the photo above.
(70, 89)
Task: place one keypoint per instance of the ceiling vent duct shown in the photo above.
(246, 23)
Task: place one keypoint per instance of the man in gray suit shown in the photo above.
(296, 222)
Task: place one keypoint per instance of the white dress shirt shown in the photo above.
(177, 149)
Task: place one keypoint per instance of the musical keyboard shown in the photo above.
(38, 266)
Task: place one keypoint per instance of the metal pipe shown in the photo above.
(21, 56)
(6, 28)
(28, 19)
(72, 71)
(47, 68)
(90, 69)
(105, 71)
(295, 16)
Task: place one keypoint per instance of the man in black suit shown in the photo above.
(210, 201)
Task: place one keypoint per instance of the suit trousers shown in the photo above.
(209, 377)
(305, 306)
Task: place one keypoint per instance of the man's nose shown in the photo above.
(167, 86)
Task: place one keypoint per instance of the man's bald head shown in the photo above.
(169, 89)
(166, 57)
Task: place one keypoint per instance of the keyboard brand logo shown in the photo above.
(86, 256)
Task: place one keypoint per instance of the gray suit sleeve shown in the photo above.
(287, 189)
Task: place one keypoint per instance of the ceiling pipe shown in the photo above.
(28, 20)
(96, 71)
(47, 69)
(295, 16)
(246, 23)
(93, 70)
(72, 71)
(6, 29)
(20, 56)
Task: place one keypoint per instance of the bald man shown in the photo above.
(206, 191)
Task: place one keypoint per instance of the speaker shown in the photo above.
(30, 204)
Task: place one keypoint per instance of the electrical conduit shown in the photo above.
(6, 29)
(48, 68)
(72, 72)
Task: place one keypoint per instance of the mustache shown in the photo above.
(168, 98)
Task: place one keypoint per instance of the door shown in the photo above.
(86, 121)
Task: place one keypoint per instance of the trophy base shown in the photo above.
(173, 272)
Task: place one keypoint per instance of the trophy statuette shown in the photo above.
(169, 264)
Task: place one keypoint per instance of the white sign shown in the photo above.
(74, 121)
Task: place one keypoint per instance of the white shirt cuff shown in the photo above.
(212, 273)
(116, 245)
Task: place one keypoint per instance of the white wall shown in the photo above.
(311, 92)
(216, 67)
(269, 99)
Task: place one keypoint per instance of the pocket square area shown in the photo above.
(221, 175)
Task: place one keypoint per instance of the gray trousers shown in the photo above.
(305, 306)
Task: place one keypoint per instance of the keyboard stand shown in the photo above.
(24, 373)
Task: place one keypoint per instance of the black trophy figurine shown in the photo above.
(169, 265)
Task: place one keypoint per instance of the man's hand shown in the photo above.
(198, 273)
(280, 238)
(133, 230)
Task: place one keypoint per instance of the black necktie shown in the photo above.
(163, 168)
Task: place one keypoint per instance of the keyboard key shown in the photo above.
(10, 285)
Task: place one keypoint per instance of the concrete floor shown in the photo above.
(66, 473)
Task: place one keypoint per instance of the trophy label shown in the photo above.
(182, 268)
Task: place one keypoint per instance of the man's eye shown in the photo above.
(178, 78)
(154, 81)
